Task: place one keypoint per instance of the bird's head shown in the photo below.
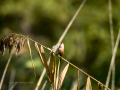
(62, 44)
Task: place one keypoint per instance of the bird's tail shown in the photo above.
(60, 58)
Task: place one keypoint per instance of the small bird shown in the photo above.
(61, 50)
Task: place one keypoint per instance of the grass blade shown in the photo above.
(88, 85)
(28, 43)
(36, 46)
(100, 86)
(62, 76)
(78, 81)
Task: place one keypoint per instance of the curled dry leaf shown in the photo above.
(88, 85)
(36, 46)
(62, 76)
(100, 86)
(45, 62)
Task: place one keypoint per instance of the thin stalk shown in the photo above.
(12, 77)
(112, 44)
(11, 88)
(43, 87)
(83, 72)
(57, 45)
(3, 76)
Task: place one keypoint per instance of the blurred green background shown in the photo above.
(87, 43)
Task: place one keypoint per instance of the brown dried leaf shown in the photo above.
(100, 86)
(55, 74)
(88, 85)
(36, 46)
(51, 68)
(45, 62)
(62, 76)
(57, 78)
(78, 81)
(31, 55)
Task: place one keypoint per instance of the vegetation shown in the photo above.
(87, 43)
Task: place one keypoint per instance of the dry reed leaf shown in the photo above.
(31, 55)
(62, 76)
(88, 85)
(78, 81)
(45, 62)
(51, 68)
(100, 86)
(36, 46)
(55, 73)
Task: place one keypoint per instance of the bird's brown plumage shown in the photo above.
(61, 50)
